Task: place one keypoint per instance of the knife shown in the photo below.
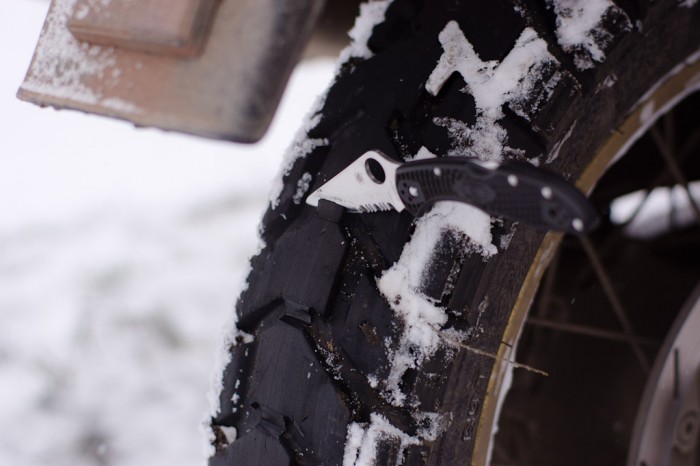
(514, 190)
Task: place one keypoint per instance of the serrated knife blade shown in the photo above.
(514, 190)
(366, 185)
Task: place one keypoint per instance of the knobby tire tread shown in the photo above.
(320, 326)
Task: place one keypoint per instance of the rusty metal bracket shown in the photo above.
(213, 68)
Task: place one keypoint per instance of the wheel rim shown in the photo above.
(667, 428)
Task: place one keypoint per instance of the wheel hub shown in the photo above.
(667, 428)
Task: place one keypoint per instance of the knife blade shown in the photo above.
(514, 190)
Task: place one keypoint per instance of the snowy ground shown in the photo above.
(121, 253)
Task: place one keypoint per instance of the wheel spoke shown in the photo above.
(594, 332)
(615, 302)
(666, 150)
(690, 144)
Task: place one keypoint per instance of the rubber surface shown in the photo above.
(321, 329)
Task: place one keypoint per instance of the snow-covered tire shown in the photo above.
(383, 339)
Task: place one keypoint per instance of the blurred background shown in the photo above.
(122, 252)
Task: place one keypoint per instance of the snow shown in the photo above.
(353, 443)
(230, 433)
(371, 13)
(120, 336)
(579, 28)
(121, 105)
(402, 282)
(492, 84)
(60, 70)
(363, 439)
(422, 154)
(302, 187)
(432, 425)
(302, 146)
(610, 81)
(121, 255)
(554, 153)
(484, 141)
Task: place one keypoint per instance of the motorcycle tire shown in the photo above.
(379, 338)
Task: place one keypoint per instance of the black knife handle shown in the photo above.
(515, 190)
